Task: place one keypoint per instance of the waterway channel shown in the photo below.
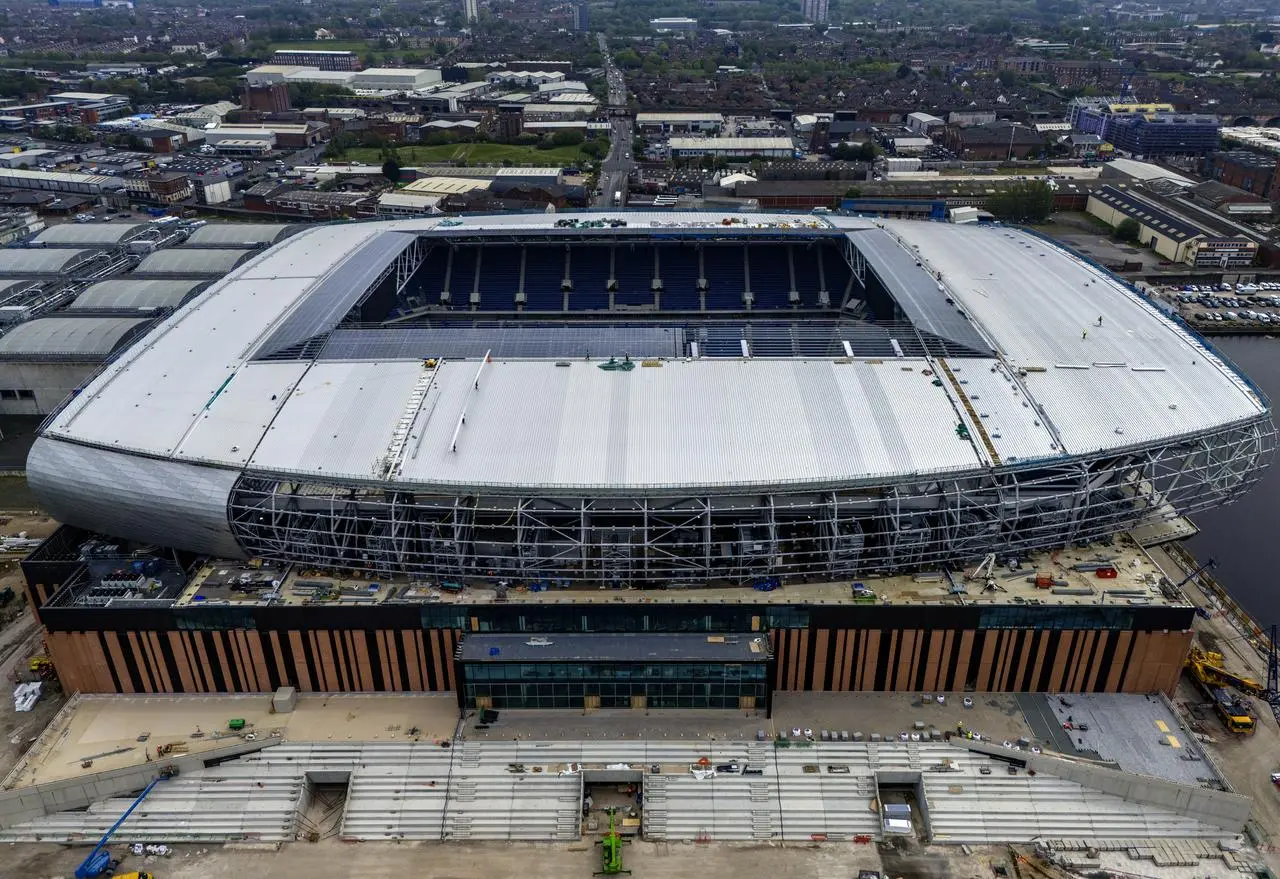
(1244, 538)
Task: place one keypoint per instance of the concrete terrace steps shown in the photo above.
(396, 802)
(512, 806)
(209, 807)
(970, 807)
(420, 791)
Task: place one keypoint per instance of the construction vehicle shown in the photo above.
(986, 572)
(99, 860)
(611, 849)
(40, 664)
(1214, 666)
(136, 874)
(1237, 714)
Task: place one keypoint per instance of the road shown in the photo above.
(616, 168)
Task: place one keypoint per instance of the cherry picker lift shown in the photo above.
(99, 860)
(611, 849)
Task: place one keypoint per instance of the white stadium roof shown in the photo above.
(191, 391)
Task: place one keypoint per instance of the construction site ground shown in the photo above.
(1249, 761)
(902, 859)
(19, 640)
(118, 731)
(996, 716)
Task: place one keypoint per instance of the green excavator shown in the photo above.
(611, 849)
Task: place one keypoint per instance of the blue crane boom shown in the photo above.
(99, 859)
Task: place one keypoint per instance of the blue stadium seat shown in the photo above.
(589, 269)
(727, 276)
(463, 276)
(499, 277)
(807, 280)
(543, 275)
(770, 276)
(678, 270)
(720, 340)
(838, 272)
(430, 276)
(633, 270)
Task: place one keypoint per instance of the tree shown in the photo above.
(1128, 230)
(904, 70)
(1028, 202)
(566, 137)
(391, 169)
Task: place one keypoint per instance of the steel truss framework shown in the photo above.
(817, 533)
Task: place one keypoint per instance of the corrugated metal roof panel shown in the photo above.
(755, 422)
(237, 235)
(89, 234)
(94, 337)
(339, 420)
(916, 291)
(42, 261)
(120, 294)
(234, 420)
(1006, 413)
(193, 261)
(148, 399)
(1133, 378)
(337, 292)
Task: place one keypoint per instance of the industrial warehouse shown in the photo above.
(517, 527)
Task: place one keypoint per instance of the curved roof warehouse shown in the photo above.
(422, 397)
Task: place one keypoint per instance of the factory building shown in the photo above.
(130, 296)
(1166, 227)
(685, 123)
(730, 147)
(190, 262)
(43, 361)
(402, 79)
(326, 59)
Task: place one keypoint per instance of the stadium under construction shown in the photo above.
(713, 455)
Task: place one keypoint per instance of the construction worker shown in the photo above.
(1084, 334)
(1099, 320)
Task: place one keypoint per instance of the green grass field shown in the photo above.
(322, 45)
(472, 154)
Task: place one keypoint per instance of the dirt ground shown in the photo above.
(1247, 762)
(20, 638)
(332, 858)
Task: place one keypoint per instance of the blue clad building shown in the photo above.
(1166, 134)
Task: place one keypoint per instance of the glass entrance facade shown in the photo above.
(615, 684)
(615, 671)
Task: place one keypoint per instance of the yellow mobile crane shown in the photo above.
(1208, 669)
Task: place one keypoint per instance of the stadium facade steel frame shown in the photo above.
(816, 531)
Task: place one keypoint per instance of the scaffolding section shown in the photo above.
(680, 540)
